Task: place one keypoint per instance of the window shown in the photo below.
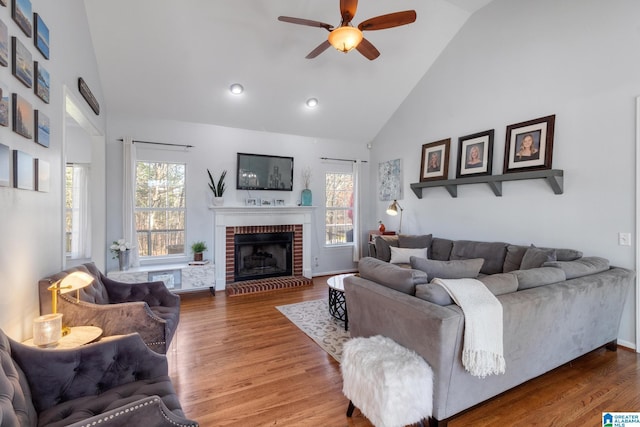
(77, 215)
(160, 208)
(339, 208)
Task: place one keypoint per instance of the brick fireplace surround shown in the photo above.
(231, 220)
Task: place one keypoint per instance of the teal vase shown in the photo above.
(306, 197)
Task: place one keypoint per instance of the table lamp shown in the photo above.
(47, 329)
(393, 211)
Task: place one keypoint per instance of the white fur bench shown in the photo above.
(391, 385)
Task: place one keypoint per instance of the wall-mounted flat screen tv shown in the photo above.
(263, 172)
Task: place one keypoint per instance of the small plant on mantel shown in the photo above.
(198, 248)
(217, 187)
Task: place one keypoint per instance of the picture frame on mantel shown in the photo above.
(475, 154)
(435, 160)
(529, 145)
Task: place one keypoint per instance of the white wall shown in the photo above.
(215, 148)
(31, 222)
(517, 60)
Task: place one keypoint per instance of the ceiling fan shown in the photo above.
(347, 37)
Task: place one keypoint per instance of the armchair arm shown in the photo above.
(115, 319)
(55, 376)
(150, 412)
(153, 293)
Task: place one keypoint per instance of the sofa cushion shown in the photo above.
(402, 255)
(390, 275)
(535, 257)
(456, 269)
(382, 244)
(580, 267)
(498, 284)
(414, 241)
(493, 254)
(440, 249)
(515, 253)
(541, 276)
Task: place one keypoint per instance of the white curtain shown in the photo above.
(356, 211)
(81, 215)
(128, 199)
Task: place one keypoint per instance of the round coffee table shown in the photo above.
(77, 336)
(337, 301)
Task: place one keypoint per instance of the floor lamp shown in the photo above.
(393, 211)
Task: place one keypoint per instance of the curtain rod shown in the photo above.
(342, 160)
(159, 143)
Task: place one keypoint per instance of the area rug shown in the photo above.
(313, 318)
(266, 285)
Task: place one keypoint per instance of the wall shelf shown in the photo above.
(554, 178)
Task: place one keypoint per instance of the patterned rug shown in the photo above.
(266, 285)
(313, 318)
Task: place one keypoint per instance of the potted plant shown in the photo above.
(198, 248)
(217, 187)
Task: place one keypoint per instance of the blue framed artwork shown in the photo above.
(21, 12)
(22, 117)
(23, 172)
(5, 166)
(41, 39)
(42, 129)
(42, 82)
(43, 176)
(22, 64)
(4, 44)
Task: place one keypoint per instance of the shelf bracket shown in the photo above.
(496, 187)
(557, 183)
(417, 191)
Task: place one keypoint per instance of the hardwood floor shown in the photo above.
(239, 362)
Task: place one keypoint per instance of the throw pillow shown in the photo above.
(390, 275)
(498, 284)
(403, 255)
(535, 257)
(457, 269)
(414, 241)
(541, 276)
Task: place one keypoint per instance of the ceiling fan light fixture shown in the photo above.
(236, 89)
(345, 38)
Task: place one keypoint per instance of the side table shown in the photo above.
(337, 301)
(77, 336)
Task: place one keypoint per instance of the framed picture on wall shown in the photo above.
(435, 160)
(529, 145)
(22, 117)
(41, 38)
(43, 176)
(3, 3)
(42, 82)
(21, 12)
(4, 105)
(4, 44)
(5, 166)
(23, 172)
(41, 134)
(22, 64)
(475, 154)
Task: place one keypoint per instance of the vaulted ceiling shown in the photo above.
(175, 60)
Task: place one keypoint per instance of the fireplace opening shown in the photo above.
(262, 255)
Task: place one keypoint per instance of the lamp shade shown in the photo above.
(345, 38)
(393, 208)
(71, 282)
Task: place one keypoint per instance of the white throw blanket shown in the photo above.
(482, 352)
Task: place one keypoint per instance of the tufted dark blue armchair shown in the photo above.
(148, 308)
(116, 382)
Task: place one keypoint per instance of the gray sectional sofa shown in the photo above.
(557, 306)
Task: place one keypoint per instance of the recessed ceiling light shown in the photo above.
(312, 102)
(236, 89)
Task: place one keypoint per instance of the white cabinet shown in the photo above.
(177, 277)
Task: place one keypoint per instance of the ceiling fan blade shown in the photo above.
(388, 21)
(348, 10)
(318, 50)
(368, 50)
(307, 22)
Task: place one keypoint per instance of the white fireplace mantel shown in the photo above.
(243, 216)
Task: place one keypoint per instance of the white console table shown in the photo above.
(177, 277)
